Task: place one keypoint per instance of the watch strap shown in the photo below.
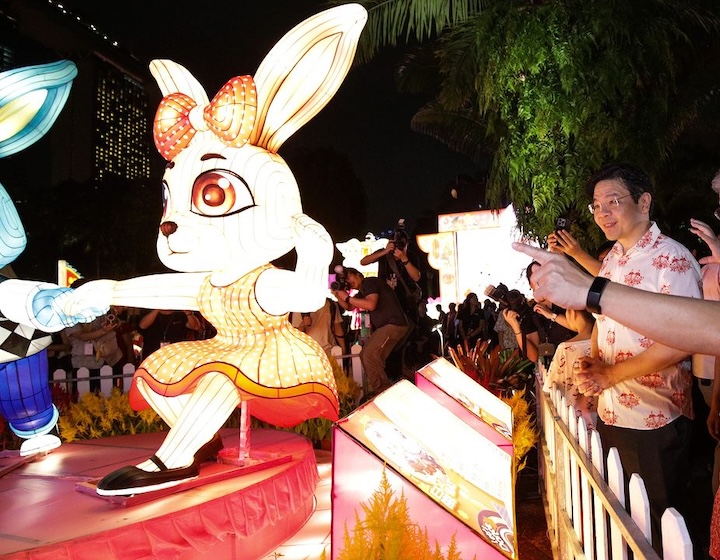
(592, 304)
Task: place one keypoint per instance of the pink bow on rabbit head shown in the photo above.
(230, 116)
(231, 203)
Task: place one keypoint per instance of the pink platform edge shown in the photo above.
(49, 513)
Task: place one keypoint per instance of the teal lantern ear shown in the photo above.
(12, 233)
(30, 100)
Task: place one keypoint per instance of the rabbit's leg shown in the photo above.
(210, 404)
(168, 408)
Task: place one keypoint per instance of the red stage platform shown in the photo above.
(47, 512)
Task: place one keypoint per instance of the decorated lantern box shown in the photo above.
(468, 400)
(451, 484)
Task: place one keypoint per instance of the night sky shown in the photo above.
(403, 173)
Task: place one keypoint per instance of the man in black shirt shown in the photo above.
(387, 319)
(400, 269)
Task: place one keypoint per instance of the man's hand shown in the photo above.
(557, 279)
(340, 295)
(705, 232)
(400, 254)
(592, 376)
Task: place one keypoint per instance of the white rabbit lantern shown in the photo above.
(231, 207)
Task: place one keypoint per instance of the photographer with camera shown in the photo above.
(389, 324)
(399, 268)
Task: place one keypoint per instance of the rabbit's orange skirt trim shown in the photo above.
(249, 388)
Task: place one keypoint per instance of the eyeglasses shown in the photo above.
(610, 204)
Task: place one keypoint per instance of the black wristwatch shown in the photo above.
(592, 304)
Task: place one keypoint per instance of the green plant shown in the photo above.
(95, 416)
(493, 368)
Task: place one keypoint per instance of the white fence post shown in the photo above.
(640, 505)
(81, 383)
(675, 537)
(587, 516)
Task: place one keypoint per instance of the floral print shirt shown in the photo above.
(560, 375)
(655, 263)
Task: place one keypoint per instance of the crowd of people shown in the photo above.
(121, 336)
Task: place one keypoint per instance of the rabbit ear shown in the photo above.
(173, 78)
(30, 100)
(303, 71)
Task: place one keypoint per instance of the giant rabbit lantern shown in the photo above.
(232, 206)
(30, 100)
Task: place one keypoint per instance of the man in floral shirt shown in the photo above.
(644, 406)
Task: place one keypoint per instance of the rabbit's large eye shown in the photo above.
(219, 193)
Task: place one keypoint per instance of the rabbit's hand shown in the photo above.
(314, 253)
(313, 244)
(47, 307)
(58, 308)
(305, 289)
(88, 301)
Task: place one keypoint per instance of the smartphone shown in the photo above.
(562, 223)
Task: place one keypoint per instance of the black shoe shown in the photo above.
(208, 451)
(130, 480)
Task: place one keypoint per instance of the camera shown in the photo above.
(498, 293)
(562, 223)
(400, 238)
(339, 285)
(340, 282)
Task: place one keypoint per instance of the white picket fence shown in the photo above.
(107, 380)
(586, 503)
(82, 379)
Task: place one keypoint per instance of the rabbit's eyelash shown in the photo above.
(212, 156)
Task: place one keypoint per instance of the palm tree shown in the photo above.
(549, 90)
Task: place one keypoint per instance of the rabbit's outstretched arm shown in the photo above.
(47, 307)
(305, 288)
(157, 291)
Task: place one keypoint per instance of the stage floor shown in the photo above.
(43, 514)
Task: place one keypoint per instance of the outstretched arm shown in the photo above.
(562, 241)
(688, 324)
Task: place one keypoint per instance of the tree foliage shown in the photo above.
(551, 90)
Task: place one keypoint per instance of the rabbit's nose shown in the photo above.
(168, 228)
